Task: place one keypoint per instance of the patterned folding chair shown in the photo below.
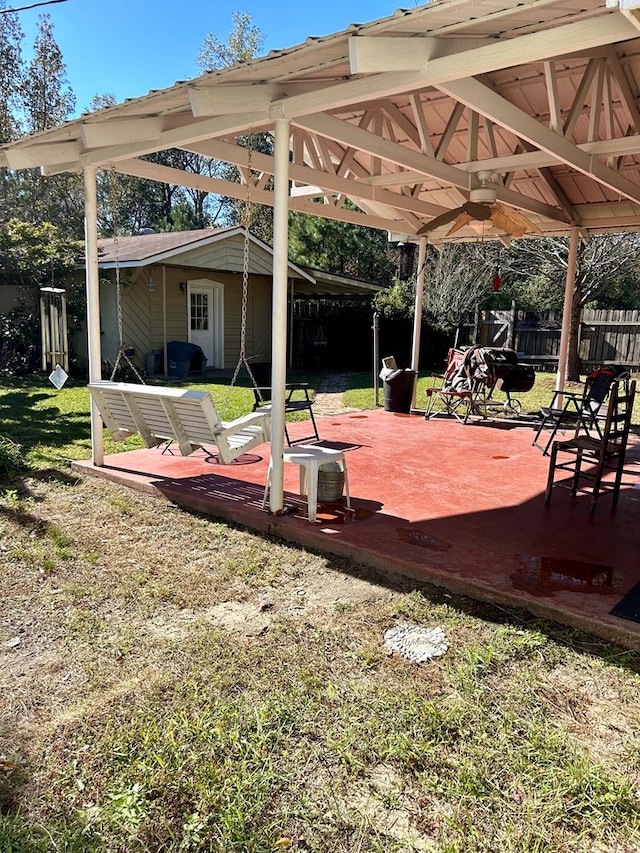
(452, 392)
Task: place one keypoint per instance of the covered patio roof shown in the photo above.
(405, 117)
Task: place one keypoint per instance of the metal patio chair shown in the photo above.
(578, 409)
(297, 399)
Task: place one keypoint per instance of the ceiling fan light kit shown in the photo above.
(482, 207)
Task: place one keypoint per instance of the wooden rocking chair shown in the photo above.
(588, 458)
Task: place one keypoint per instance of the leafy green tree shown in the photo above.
(244, 42)
(397, 300)
(32, 256)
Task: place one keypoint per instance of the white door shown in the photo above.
(205, 320)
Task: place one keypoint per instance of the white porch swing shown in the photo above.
(160, 414)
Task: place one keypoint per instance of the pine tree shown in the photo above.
(11, 77)
(11, 74)
(48, 99)
(47, 102)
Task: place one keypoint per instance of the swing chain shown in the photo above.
(121, 349)
(245, 221)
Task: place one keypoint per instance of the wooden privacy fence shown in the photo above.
(604, 336)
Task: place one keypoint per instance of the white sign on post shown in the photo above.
(58, 377)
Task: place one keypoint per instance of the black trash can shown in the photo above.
(398, 390)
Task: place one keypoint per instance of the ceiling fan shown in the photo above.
(482, 206)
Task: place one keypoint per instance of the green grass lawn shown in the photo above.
(361, 393)
(169, 682)
(52, 426)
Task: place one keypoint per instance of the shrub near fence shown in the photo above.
(604, 336)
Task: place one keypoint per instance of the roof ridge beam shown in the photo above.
(384, 82)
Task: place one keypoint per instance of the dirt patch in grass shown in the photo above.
(170, 682)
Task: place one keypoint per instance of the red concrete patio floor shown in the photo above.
(458, 506)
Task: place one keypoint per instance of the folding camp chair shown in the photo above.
(579, 410)
(453, 390)
(588, 459)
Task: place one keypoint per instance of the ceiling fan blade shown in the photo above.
(477, 210)
(512, 221)
(462, 220)
(443, 219)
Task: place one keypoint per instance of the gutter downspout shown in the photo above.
(417, 314)
(566, 312)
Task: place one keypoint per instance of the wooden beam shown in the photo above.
(168, 175)
(97, 134)
(494, 106)
(363, 140)
(230, 100)
(555, 120)
(42, 154)
(369, 55)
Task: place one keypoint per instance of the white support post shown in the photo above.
(561, 375)
(417, 314)
(93, 304)
(279, 311)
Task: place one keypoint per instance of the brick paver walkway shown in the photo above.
(328, 400)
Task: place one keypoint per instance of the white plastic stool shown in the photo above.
(310, 459)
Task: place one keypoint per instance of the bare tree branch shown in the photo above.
(30, 6)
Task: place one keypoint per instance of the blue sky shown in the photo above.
(127, 47)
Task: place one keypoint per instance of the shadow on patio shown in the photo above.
(460, 507)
